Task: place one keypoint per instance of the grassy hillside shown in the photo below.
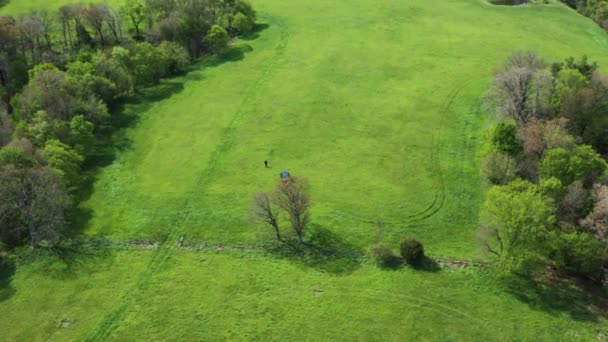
(378, 104)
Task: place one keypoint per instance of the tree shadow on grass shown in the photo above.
(68, 262)
(557, 296)
(255, 33)
(4, 3)
(113, 139)
(7, 271)
(395, 263)
(427, 265)
(231, 54)
(323, 250)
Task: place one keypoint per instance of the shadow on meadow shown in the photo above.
(6, 274)
(395, 263)
(323, 250)
(4, 3)
(68, 262)
(255, 33)
(557, 296)
(230, 55)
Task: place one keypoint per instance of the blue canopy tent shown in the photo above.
(284, 175)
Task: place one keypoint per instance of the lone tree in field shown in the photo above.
(292, 196)
(265, 210)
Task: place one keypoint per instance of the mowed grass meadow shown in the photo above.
(378, 104)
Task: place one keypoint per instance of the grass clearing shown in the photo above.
(378, 105)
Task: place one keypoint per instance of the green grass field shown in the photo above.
(378, 104)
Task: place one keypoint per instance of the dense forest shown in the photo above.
(63, 73)
(546, 159)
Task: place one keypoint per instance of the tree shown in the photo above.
(241, 24)
(505, 139)
(62, 159)
(498, 168)
(81, 135)
(10, 155)
(597, 220)
(566, 81)
(582, 66)
(523, 88)
(581, 163)
(514, 218)
(33, 205)
(48, 90)
(587, 112)
(292, 196)
(6, 128)
(539, 136)
(95, 15)
(217, 38)
(580, 253)
(575, 203)
(136, 11)
(174, 57)
(264, 210)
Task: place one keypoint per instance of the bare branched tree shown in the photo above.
(292, 196)
(523, 88)
(264, 210)
(597, 220)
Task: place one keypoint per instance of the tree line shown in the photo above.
(597, 10)
(62, 72)
(548, 204)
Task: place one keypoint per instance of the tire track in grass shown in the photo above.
(112, 320)
(440, 192)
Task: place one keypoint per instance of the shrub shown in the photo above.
(383, 255)
(412, 251)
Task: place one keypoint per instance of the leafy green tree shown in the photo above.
(241, 24)
(580, 253)
(33, 205)
(41, 128)
(514, 219)
(217, 38)
(136, 12)
(581, 163)
(81, 135)
(62, 159)
(13, 156)
(244, 7)
(173, 57)
(87, 83)
(566, 81)
(505, 139)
